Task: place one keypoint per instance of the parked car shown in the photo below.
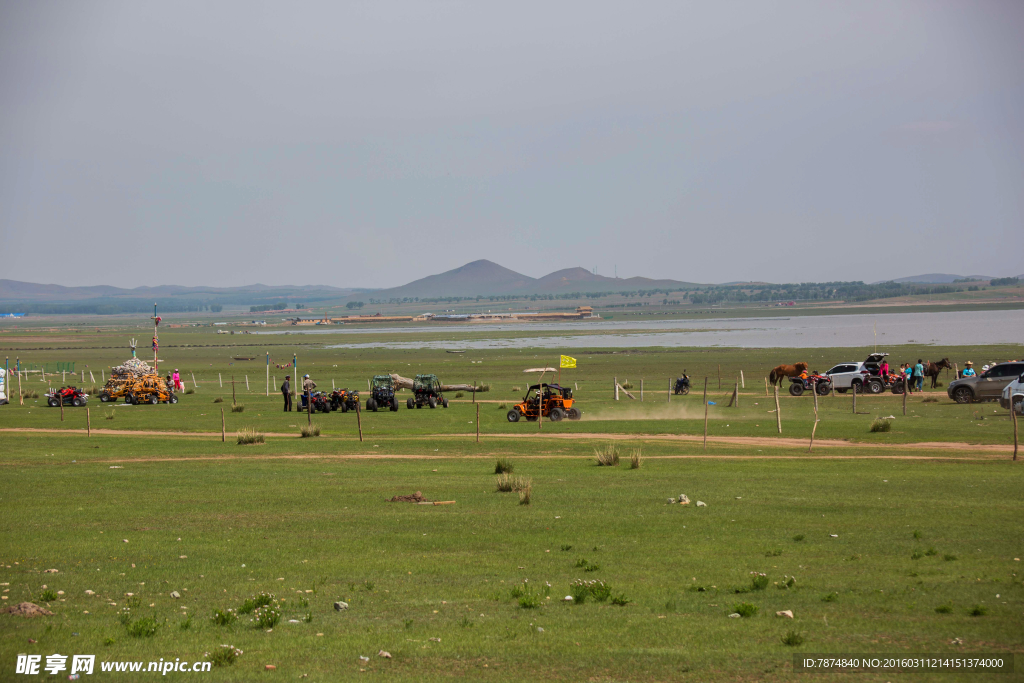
(988, 386)
(863, 374)
(1013, 394)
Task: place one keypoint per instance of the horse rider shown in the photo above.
(968, 370)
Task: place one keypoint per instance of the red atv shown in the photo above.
(68, 396)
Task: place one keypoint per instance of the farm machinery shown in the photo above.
(344, 400)
(552, 401)
(68, 396)
(426, 392)
(382, 394)
(150, 389)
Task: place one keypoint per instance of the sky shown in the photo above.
(367, 144)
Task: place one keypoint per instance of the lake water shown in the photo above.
(957, 328)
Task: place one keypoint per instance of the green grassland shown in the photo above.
(895, 546)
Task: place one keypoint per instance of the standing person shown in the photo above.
(919, 375)
(176, 378)
(286, 389)
(884, 370)
(308, 386)
(908, 373)
(968, 370)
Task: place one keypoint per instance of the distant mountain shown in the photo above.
(486, 278)
(29, 292)
(937, 278)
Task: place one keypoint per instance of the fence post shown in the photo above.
(743, 383)
(766, 387)
(1013, 414)
(904, 394)
(223, 427)
(616, 380)
(221, 380)
(88, 422)
(477, 421)
(854, 388)
(247, 382)
(705, 413)
(194, 385)
(669, 394)
(359, 422)
(233, 402)
(719, 376)
(778, 410)
(641, 389)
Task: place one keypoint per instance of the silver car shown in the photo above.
(988, 386)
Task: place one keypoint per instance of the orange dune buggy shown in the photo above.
(553, 401)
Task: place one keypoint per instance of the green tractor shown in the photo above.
(382, 394)
(426, 391)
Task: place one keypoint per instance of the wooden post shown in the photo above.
(736, 395)
(743, 384)
(223, 427)
(247, 382)
(778, 410)
(766, 387)
(669, 390)
(1013, 416)
(813, 429)
(616, 380)
(359, 422)
(21, 396)
(233, 402)
(61, 408)
(64, 377)
(854, 388)
(221, 380)
(309, 408)
(814, 388)
(904, 380)
(102, 377)
(332, 384)
(705, 413)
(83, 376)
(194, 385)
(476, 383)
(477, 422)
(88, 422)
(719, 376)
(268, 374)
(641, 389)
(92, 377)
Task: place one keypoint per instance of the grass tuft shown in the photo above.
(259, 600)
(218, 400)
(607, 456)
(978, 611)
(225, 655)
(48, 595)
(190, 391)
(525, 493)
(792, 638)
(484, 387)
(944, 609)
(238, 408)
(308, 430)
(145, 627)
(881, 425)
(109, 414)
(459, 394)
(248, 436)
(929, 399)
(636, 458)
(224, 617)
(798, 538)
(502, 465)
(266, 616)
(830, 597)
(745, 609)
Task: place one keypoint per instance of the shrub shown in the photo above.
(249, 436)
(830, 597)
(626, 384)
(259, 600)
(187, 624)
(608, 456)
(190, 391)
(759, 581)
(502, 406)
(745, 609)
(47, 595)
(944, 609)
(266, 616)
(636, 458)
(880, 425)
(931, 552)
(224, 617)
(978, 611)
(225, 655)
(581, 590)
(238, 408)
(307, 430)
(143, 628)
(516, 390)
(218, 400)
(620, 600)
(792, 638)
(949, 558)
(502, 465)
(525, 493)
(798, 538)
(109, 414)
(787, 582)
(459, 394)
(929, 399)
(566, 547)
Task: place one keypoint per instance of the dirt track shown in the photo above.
(734, 440)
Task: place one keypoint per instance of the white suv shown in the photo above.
(864, 374)
(1014, 392)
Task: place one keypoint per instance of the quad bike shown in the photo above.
(426, 392)
(682, 386)
(554, 403)
(320, 402)
(894, 382)
(822, 383)
(150, 389)
(344, 399)
(382, 394)
(69, 396)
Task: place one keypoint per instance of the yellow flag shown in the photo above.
(567, 362)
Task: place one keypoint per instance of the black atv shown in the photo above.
(426, 391)
(382, 394)
(321, 402)
(682, 386)
(344, 400)
(821, 383)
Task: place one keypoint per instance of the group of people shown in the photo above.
(174, 381)
(308, 386)
(913, 373)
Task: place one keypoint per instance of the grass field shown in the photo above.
(898, 542)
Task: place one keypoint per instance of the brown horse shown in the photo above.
(932, 370)
(786, 371)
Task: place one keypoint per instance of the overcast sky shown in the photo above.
(372, 143)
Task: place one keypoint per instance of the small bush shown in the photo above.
(459, 394)
(502, 406)
(502, 465)
(758, 582)
(529, 601)
(626, 384)
(798, 538)
(830, 597)
(787, 582)
(931, 552)
(917, 534)
(745, 609)
(944, 609)
(580, 563)
(566, 547)
(47, 595)
(525, 493)
(516, 390)
(308, 618)
(143, 628)
(978, 611)
(581, 590)
(250, 436)
(238, 408)
(369, 585)
(190, 391)
(187, 624)
(792, 638)
(224, 617)
(880, 425)
(773, 553)
(608, 456)
(620, 600)
(258, 600)
(592, 567)
(308, 430)
(218, 400)
(916, 555)
(504, 482)
(266, 616)
(929, 399)
(949, 558)
(225, 655)
(109, 641)
(109, 414)
(636, 458)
